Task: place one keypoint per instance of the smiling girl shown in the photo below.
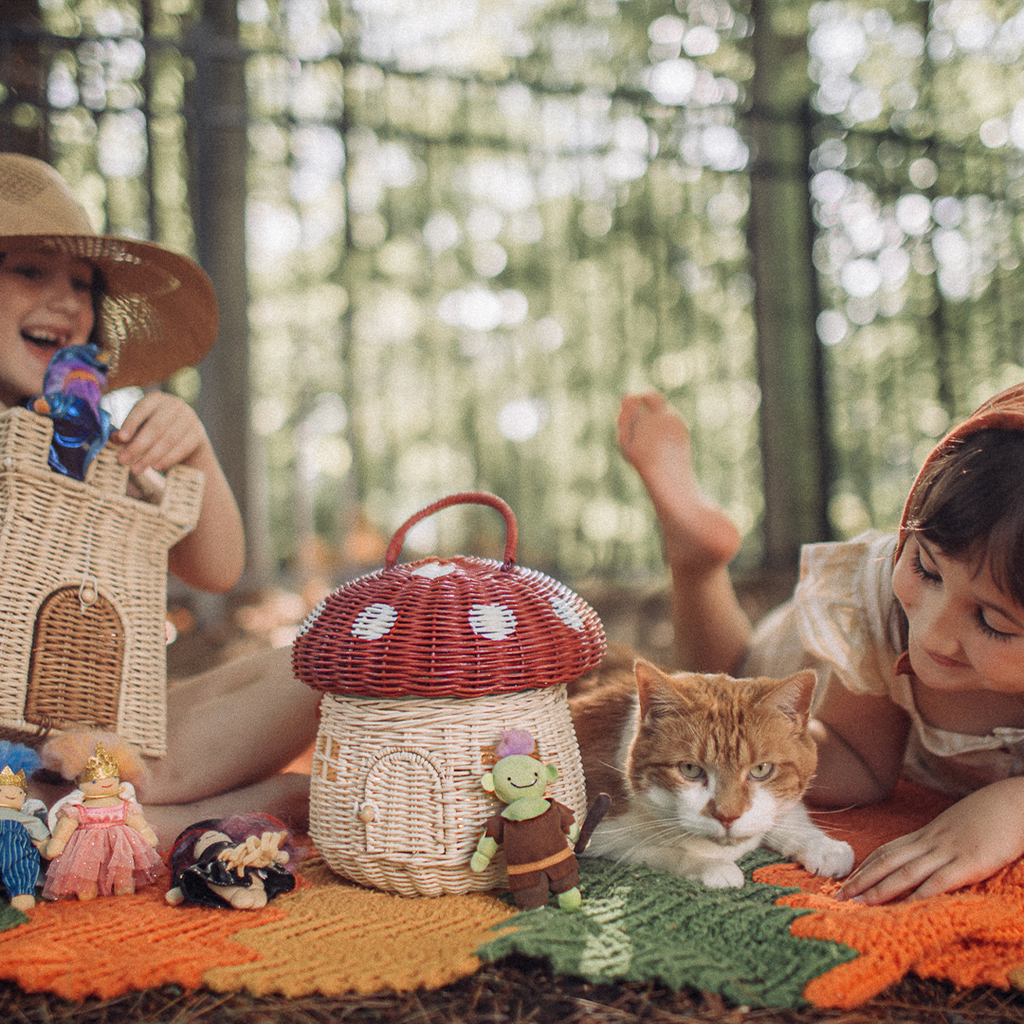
(149, 310)
(152, 311)
(917, 639)
(46, 303)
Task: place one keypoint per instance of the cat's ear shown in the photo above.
(654, 688)
(794, 695)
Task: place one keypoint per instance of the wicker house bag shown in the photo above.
(83, 593)
(423, 665)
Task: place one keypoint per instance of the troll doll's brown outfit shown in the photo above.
(535, 848)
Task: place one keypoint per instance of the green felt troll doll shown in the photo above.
(535, 831)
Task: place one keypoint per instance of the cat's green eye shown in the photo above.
(760, 772)
(691, 771)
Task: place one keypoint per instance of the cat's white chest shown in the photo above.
(643, 836)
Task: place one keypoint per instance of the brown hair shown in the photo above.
(971, 504)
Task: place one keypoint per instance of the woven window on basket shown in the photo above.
(75, 669)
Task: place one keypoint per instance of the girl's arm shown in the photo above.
(966, 843)
(861, 741)
(163, 431)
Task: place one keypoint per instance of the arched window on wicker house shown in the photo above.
(74, 673)
(405, 791)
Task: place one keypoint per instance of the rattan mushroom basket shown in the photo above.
(423, 665)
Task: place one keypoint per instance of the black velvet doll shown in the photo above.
(240, 862)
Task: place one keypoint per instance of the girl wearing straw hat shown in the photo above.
(152, 312)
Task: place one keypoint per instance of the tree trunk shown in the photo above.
(794, 430)
(217, 123)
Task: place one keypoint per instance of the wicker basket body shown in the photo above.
(83, 592)
(413, 768)
(423, 666)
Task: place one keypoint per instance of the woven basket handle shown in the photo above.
(464, 498)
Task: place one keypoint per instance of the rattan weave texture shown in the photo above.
(83, 592)
(395, 795)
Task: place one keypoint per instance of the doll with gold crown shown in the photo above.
(101, 844)
(22, 828)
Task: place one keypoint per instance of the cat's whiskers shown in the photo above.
(621, 772)
(633, 852)
(818, 811)
(784, 827)
(649, 829)
(835, 832)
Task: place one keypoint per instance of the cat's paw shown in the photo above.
(830, 857)
(722, 876)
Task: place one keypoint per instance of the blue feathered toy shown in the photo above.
(72, 387)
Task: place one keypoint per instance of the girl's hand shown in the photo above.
(966, 843)
(161, 431)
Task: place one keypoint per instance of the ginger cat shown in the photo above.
(701, 769)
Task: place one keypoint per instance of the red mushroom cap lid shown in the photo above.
(448, 627)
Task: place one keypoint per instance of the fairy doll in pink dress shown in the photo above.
(101, 844)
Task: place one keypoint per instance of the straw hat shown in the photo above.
(159, 310)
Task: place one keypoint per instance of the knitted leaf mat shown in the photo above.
(780, 941)
(328, 937)
(787, 947)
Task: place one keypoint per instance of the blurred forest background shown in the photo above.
(448, 235)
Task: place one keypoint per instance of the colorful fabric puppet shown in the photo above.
(101, 843)
(22, 829)
(533, 830)
(72, 387)
(241, 862)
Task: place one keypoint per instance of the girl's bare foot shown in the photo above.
(698, 535)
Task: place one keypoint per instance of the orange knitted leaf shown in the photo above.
(964, 937)
(75, 949)
(974, 936)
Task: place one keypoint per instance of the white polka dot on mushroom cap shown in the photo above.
(567, 613)
(374, 621)
(432, 570)
(493, 621)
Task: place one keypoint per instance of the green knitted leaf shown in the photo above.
(641, 925)
(9, 917)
